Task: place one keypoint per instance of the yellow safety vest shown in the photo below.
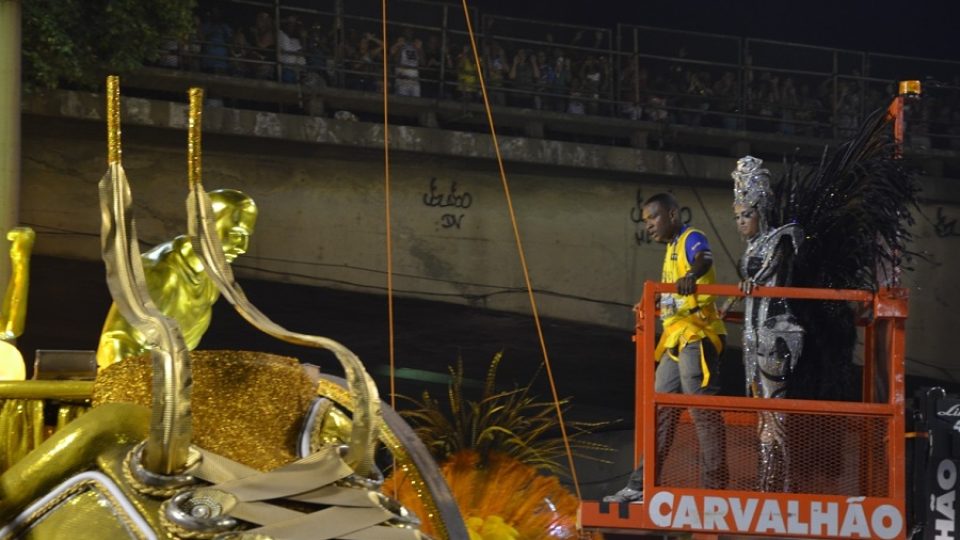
(687, 318)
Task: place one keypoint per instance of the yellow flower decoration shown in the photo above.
(491, 528)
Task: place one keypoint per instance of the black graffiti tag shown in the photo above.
(439, 199)
(450, 220)
(636, 216)
(945, 227)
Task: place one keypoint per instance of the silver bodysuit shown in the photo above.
(772, 343)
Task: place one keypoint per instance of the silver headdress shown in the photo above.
(751, 184)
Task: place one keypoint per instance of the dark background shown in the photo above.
(918, 28)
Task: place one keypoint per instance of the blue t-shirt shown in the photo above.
(696, 242)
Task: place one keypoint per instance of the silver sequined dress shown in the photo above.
(772, 343)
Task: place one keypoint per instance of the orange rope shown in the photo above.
(386, 181)
(523, 259)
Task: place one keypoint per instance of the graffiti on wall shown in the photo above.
(452, 199)
(636, 216)
(944, 226)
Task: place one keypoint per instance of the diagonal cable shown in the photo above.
(523, 259)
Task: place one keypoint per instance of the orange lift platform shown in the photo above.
(847, 459)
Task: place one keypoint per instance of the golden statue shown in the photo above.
(177, 282)
(14, 311)
(235, 444)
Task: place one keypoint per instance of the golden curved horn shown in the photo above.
(167, 447)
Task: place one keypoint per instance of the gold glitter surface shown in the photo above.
(194, 135)
(247, 406)
(113, 119)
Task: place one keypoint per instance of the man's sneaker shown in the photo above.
(625, 495)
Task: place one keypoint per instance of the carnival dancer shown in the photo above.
(841, 223)
(772, 337)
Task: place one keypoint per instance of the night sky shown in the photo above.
(925, 28)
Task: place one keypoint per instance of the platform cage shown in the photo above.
(845, 468)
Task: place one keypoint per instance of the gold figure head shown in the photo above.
(236, 215)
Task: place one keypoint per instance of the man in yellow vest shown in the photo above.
(689, 348)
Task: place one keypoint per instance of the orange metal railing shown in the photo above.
(846, 458)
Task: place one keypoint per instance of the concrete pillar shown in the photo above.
(10, 11)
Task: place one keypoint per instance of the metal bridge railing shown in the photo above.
(670, 77)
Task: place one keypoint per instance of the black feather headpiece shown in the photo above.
(855, 208)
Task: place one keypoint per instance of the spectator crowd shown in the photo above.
(582, 74)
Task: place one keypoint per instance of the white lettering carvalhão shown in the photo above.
(782, 516)
(944, 503)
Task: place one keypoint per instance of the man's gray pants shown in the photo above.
(686, 375)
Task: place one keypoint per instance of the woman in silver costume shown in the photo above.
(772, 338)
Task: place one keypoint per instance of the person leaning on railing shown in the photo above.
(467, 81)
(265, 43)
(727, 90)
(407, 53)
(217, 37)
(497, 70)
(290, 42)
(190, 49)
(524, 74)
(772, 335)
(688, 352)
(240, 54)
